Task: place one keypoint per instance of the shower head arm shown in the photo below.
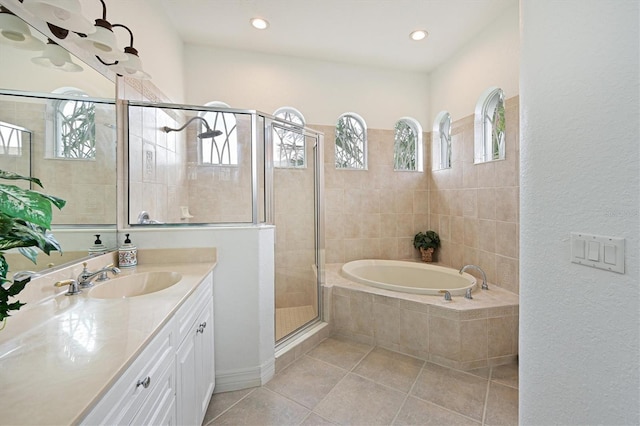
(169, 129)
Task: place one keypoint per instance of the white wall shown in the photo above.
(579, 327)
(243, 288)
(490, 59)
(320, 90)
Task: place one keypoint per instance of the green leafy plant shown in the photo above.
(426, 240)
(25, 219)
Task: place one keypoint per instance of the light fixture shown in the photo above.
(56, 57)
(15, 32)
(418, 35)
(102, 42)
(259, 23)
(132, 66)
(210, 133)
(63, 14)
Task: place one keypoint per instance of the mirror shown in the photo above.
(60, 126)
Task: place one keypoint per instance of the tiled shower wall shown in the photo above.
(374, 213)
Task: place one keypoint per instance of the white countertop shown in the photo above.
(58, 357)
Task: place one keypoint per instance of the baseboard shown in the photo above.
(232, 380)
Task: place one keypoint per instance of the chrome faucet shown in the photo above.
(484, 276)
(86, 277)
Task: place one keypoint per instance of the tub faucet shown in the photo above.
(447, 295)
(86, 277)
(484, 276)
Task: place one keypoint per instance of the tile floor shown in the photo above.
(346, 383)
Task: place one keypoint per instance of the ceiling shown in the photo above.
(365, 32)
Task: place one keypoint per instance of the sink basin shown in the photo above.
(135, 285)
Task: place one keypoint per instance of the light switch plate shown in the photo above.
(598, 251)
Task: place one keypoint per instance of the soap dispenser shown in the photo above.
(97, 248)
(127, 254)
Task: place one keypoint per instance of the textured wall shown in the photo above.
(579, 327)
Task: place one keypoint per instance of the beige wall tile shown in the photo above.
(473, 340)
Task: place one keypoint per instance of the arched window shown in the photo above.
(407, 147)
(351, 142)
(75, 126)
(220, 150)
(441, 141)
(489, 132)
(288, 145)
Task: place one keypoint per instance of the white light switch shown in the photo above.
(594, 251)
(598, 251)
(577, 249)
(610, 254)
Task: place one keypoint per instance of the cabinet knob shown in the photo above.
(144, 382)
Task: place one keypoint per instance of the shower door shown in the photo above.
(297, 178)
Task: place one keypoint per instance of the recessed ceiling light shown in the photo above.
(259, 23)
(418, 35)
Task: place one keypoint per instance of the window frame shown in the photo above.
(358, 119)
(59, 146)
(231, 136)
(418, 156)
(277, 138)
(486, 148)
(441, 149)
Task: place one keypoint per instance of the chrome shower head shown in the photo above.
(209, 133)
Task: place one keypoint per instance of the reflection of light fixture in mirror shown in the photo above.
(103, 41)
(132, 67)
(56, 57)
(63, 14)
(208, 134)
(15, 32)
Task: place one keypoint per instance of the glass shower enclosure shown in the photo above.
(212, 166)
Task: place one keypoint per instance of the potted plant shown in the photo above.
(427, 243)
(25, 219)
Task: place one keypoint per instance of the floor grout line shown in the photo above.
(231, 406)
(486, 397)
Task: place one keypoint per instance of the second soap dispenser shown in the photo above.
(127, 254)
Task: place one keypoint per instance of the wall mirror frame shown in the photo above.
(27, 101)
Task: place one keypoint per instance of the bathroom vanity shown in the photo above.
(101, 358)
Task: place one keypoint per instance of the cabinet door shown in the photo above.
(160, 407)
(204, 359)
(187, 401)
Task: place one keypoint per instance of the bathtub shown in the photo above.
(408, 277)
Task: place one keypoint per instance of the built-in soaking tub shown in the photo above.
(376, 302)
(408, 277)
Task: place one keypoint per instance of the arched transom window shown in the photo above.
(407, 147)
(220, 150)
(441, 141)
(289, 145)
(489, 134)
(351, 142)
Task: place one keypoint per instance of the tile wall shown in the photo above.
(474, 208)
(372, 213)
(87, 186)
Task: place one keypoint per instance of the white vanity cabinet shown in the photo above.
(146, 390)
(172, 380)
(194, 357)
